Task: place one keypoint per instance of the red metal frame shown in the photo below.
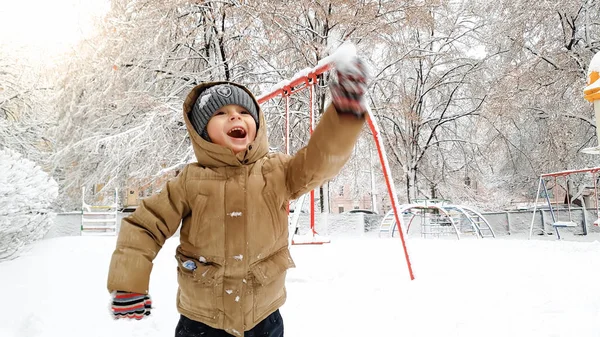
(312, 81)
(595, 196)
(308, 81)
(593, 171)
(566, 173)
(297, 84)
(390, 187)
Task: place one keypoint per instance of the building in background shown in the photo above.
(343, 199)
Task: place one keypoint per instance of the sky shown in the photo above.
(357, 285)
(48, 28)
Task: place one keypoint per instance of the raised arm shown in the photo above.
(329, 148)
(331, 144)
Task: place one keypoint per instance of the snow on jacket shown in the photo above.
(232, 210)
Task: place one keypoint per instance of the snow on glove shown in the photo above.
(349, 86)
(130, 305)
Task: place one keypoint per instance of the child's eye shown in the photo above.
(245, 112)
(218, 113)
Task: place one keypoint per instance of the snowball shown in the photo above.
(343, 56)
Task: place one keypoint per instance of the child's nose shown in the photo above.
(235, 115)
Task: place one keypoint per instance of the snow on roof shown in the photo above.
(593, 87)
(594, 64)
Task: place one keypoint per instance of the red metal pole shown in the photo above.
(556, 198)
(568, 198)
(293, 84)
(287, 124)
(312, 121)
(596, 195)
(564, 173)
(287, 134)
(390, 187)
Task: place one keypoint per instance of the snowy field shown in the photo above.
(354, 286)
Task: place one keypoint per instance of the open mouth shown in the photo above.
(237, 132)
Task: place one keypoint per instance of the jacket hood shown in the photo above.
(212, 155)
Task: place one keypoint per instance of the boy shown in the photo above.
(233, 252)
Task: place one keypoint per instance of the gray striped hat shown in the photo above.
(215, 97)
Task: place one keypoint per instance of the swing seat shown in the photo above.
(564, 224)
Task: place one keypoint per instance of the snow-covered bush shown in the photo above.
(26, 193)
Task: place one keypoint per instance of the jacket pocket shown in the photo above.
(197, 286)
(268, 282)
(197, 212)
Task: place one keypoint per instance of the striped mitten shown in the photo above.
(348, 87)
(130, 305)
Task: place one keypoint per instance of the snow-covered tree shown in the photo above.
(26, 193)
(427, 95)
(24, 110)
(474, 99)
(121, 100)
(538, 119)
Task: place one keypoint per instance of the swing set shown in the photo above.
(554, 206)
(592, 94)
(307, 79)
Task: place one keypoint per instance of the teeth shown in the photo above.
(240, 132)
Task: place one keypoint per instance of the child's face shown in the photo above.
(233, 127)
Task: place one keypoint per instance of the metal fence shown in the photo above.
(504, 223)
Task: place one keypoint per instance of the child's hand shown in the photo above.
(130, 305)
(348, 87)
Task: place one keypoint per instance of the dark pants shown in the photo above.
(271, 326)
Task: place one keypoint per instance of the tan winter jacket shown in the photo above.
(234, 222)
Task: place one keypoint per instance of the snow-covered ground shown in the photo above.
(354, 286)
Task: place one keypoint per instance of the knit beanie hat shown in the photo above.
(215, 97)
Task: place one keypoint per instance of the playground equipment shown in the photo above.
(98, 219)
(303, 80)
(307, 79)
(592, 94)
(566, 220)
(438, 219)
(469, 220)
(308, 239)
